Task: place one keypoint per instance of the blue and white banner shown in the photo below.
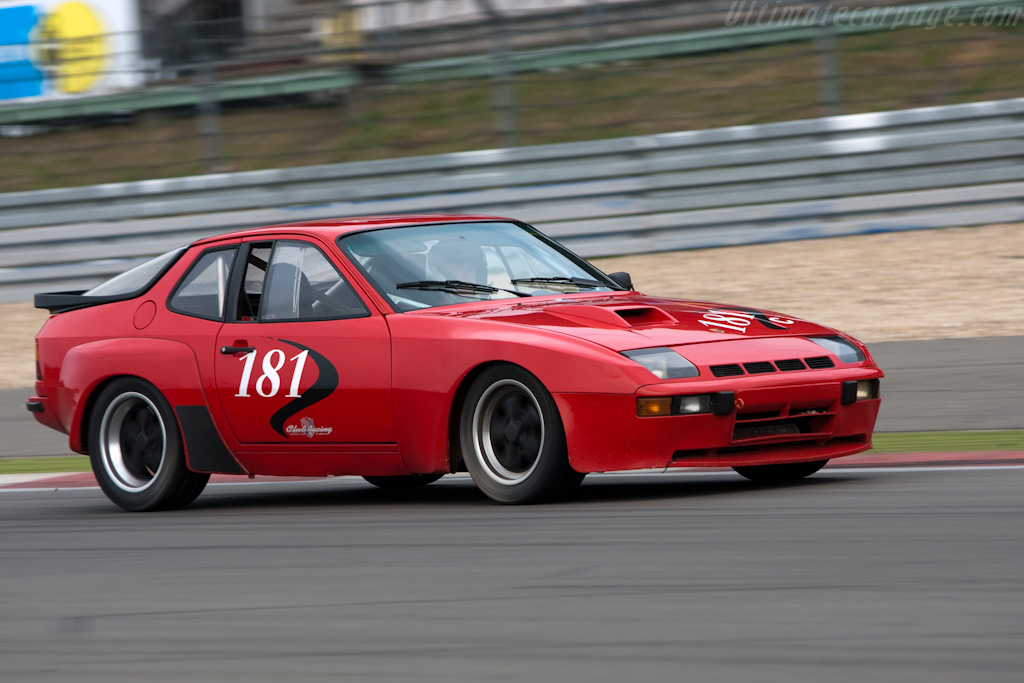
(56, 49)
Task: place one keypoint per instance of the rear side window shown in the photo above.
(202, 293)
(138, 279)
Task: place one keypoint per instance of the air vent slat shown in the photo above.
(759, 367)
(763, 367)
(730, 370)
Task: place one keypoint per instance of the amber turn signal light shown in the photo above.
(653, 407)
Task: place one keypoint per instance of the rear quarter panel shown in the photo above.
(81, 350)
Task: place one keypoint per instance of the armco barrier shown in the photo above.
(920, 168)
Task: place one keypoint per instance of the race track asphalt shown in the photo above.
(891, 574)
(951, 384)
(850, 576)
(944, 385)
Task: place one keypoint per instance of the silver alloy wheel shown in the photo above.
(508, 432)
(133, 442)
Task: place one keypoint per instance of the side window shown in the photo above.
(203, 291)
(301, 284)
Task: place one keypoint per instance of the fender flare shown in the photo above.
(170, 366)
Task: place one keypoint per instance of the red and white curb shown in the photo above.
(84, 480)
(917, 462)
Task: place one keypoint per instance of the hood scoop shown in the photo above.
(623, 317)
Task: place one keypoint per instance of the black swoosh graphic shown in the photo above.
(763, 319)
(758, 316)
(323, 387)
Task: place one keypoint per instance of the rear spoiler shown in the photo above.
(59, 302)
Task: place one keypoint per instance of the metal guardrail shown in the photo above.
(921, 168)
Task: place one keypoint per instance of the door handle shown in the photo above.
(237, 349)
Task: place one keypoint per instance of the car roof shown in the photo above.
(332, 228)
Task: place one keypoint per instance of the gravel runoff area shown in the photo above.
(916, 285)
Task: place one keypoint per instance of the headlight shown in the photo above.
(663, 362)
(846, 351)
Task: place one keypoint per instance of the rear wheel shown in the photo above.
(136, 450)
(513, 442)
(777, 474)
(408, 481)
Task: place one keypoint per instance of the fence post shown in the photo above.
(830, 86)
(207, 104)
(209, 118)
(595, 21)
(504, 86)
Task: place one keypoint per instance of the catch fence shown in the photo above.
(214, 87)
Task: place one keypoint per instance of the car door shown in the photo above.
(301, 359)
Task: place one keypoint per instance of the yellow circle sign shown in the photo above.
(74, 49)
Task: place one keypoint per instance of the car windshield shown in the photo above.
(436, 265)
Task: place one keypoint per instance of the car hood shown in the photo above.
(624, 321)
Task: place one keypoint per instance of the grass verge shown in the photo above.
(45, 465)
(903, 442)
(926, 442)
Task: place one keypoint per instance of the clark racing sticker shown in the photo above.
(308, 428)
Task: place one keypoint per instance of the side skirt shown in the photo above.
(204, 449)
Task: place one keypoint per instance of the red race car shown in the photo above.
(404, 348)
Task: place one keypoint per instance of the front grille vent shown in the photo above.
(762, 367)
(730, 370)
(759, 368)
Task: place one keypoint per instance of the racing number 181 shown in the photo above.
(272, 364)
(737, 321)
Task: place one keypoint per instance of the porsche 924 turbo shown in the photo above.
(404, 348)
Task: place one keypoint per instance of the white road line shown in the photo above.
(897, 468)
(631, 473)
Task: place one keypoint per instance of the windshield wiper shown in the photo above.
(557, 280)
(456, 286)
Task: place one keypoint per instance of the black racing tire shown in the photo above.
(407, 481)
(779, 474)
(512, 438)
(136, 451)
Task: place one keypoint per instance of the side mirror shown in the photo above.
(622, 280)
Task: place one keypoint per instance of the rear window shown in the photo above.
(138, 279)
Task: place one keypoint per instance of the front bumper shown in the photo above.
(769, 424)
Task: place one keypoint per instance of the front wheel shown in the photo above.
(777, 474)
(136, 451)
(513, 442)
